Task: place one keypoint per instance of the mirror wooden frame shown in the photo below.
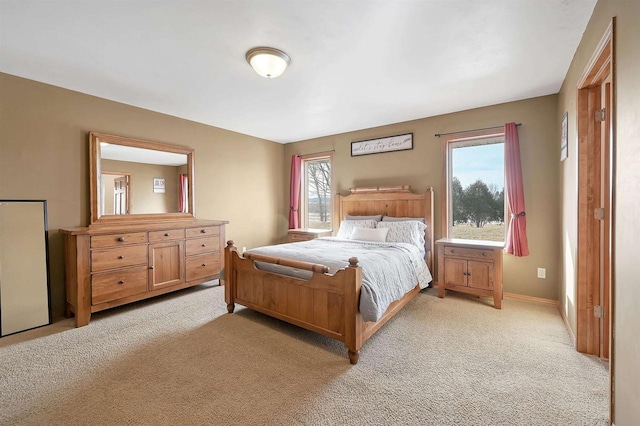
(95, 170)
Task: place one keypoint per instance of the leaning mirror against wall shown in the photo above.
(24, 266)
(139, 180)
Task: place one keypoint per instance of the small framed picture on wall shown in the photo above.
(158, 185)
(564, 141)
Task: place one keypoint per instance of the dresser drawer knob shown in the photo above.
(204, 264)
(166, 235)
(121, 257)
(121, 239)
(151, 267)
(484, 254)
(453, 251)
(204, 231)
(121, 282)
(204, 245)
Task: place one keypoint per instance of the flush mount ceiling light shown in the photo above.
(267, 61)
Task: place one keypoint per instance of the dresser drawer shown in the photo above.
(468, 252)
(117, 285)
(203, 245)
(98, 241)
(205, 231)
(203, 266)
(169, 234)
(118, 257)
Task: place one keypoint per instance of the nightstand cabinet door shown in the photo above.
(455, 271)
(480, 275)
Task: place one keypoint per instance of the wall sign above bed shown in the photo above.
(375, 146)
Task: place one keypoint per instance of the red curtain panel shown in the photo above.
(516, 243)
(294, 191)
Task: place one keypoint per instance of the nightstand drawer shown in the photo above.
(468, 252)
(301, 237)
(306, 234)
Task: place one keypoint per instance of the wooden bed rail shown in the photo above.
(314, 267)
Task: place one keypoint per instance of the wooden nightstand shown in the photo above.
(470, 266)
(306, 234)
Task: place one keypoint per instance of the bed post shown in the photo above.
(229, 276)
(353, 317)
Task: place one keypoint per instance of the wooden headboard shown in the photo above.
(396, 201)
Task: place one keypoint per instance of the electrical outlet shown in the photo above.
(542, 273)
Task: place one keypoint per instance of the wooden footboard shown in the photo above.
(325, 304)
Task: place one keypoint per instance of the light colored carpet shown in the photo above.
(181, 359)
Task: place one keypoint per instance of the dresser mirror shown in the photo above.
(134, 180)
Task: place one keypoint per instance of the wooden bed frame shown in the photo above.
(327, 304)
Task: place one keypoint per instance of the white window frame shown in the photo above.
(302, 208)
(458, 141)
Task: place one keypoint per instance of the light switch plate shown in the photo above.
(542, 273)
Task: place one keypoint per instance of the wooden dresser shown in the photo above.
(108, 266)
(306, 234)
(470, 266)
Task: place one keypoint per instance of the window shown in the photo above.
(316, 199)
(475, 182)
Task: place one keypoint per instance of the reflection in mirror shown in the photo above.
(114, 190)
(130, 181)
(134, 180)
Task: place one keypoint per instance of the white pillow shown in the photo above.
(347, 227)
(401, 219)
(411, 232)
(365, 234)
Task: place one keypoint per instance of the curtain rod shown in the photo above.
(473, 130)
(319, 152)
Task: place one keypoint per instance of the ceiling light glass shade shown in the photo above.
(267, 61)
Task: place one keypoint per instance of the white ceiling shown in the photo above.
(109, 151)
(355, 64)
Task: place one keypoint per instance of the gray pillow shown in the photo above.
(401, 219)
(377, 218)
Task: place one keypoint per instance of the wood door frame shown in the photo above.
(129, 179)
(590, 170)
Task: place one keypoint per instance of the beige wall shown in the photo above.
(626, 287)
(143, 198)
(423, 166)
(44, 155)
